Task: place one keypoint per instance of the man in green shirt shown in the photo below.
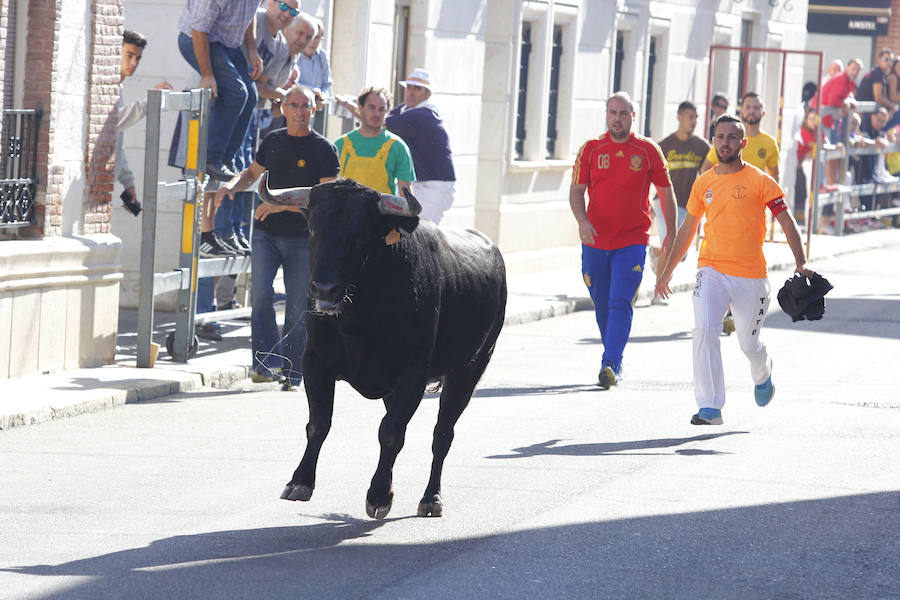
(370, 154)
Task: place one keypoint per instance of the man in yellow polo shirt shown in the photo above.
(762, 149)
(731, 268)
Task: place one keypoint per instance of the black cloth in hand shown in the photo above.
(804, 298)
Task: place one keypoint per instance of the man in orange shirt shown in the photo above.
(617, 170)
(731, 267)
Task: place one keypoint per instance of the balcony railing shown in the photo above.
(18, 163)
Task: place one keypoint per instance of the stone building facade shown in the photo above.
(59, 278)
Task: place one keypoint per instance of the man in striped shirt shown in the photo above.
(211, 33)
(616, 170)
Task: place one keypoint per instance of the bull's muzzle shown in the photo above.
(327, 297)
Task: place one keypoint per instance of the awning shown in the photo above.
(862, 17)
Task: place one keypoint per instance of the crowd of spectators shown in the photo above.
(251, 54)
(839, 95)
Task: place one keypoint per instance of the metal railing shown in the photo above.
(183, 280)
(18, 166)
(840, 197)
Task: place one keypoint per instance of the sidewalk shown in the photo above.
(225, 364)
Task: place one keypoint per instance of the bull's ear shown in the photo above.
(407, 224)
(297, 196)
(390, 204)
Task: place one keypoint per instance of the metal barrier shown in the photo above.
(183, 343)
(18, 164)
(838, 197)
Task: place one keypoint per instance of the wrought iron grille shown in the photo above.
(18, 163)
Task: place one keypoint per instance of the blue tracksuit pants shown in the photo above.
(613, 278)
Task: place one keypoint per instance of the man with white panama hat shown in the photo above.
(418, 123)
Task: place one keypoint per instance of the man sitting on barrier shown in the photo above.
(295, 157)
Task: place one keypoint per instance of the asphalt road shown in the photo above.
(553, 487)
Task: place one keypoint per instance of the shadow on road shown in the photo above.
(550, 447)
(535, 390)
(873, 317)
(843, 547)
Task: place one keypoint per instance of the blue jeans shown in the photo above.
(271, 351)
(230, 114)
(230, 214)
(205, 292)
(613, 278)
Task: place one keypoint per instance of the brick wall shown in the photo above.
(892, 39)
(103, 86)
(43, 29)
(7, 47)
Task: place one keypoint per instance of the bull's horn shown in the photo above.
(395, 205)
(296, 196)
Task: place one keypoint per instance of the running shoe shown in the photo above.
(707, 416)
(212, 246)
(208, 331)
(764, 392)
(269, 377)
(728, 325)
(287, 386)
(606, 378)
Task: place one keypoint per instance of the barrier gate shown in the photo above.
(183, 343)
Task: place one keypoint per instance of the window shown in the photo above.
(620, 61)
(401, 49)
(541, 131)
(522, 95)
(746, 41)
(648, 104)
(553, 100)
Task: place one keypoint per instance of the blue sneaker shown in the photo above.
(764, 392)
(707, 416)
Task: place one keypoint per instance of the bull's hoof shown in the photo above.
(378, 512)
(431, 507)
(297, 492)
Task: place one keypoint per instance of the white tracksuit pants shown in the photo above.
(436, 197)
(749, 300)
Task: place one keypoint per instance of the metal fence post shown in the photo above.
(186, 299)
(148, 228)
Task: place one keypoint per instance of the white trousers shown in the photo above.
(749, 300)
(435, 198)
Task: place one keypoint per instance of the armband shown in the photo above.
(777, 206)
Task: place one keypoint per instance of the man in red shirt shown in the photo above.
(835, 92)
(617, 169)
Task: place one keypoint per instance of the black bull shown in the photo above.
(395, 304)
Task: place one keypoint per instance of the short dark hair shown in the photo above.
(133, 37)
(726, 118)
(686, 105)
(751, 95)
(719, 96)
(364, 95)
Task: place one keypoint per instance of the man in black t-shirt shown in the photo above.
(873, 86)
(296, 156)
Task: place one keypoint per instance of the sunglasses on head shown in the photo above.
(286, 6)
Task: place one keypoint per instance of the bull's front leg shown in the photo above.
(319, 386)
(402, 404)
